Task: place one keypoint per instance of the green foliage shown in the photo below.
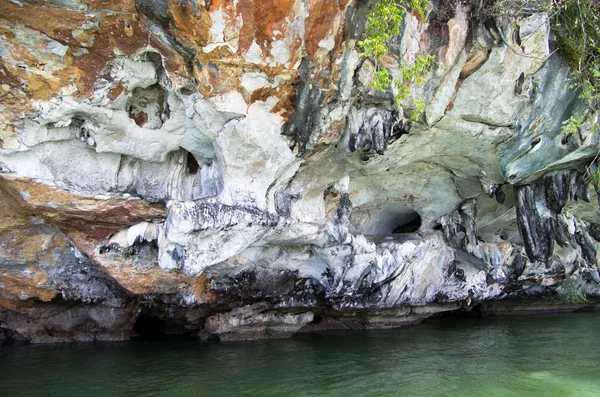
(588, 83)
(415, 71)
(383, 23)
(382, 80)
(515, 8)
(420, 108)
(383, 27)
(576, 25)
(414, 74)
(420, 7)
(572, 126)
(593, 177)
(570, 291)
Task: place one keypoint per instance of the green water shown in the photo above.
(536, 356)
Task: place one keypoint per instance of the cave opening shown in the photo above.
(192, 164)
(457, 315)
(161, 326)
(10, 336)
(386, 221)
(148, 106)
(409, 224)
(149, 327)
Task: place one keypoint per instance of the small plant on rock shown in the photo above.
(570, 291)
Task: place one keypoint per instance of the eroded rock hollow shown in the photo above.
(225, 169)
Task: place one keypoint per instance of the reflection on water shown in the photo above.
(536, 356)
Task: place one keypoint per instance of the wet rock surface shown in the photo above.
(225, 169)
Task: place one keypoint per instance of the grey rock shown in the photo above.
(305, 119)
(372, 128)
(255, 322)
(538, 207)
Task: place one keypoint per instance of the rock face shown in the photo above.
(225, 168)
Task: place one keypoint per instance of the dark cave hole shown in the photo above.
(411, 224)
(535, 142)
(155, 58)
(77, 126)
(9, 336)
(401, 128)
(500, 195)
(187, 91)
(366, 155)
(459, 315)
(151, 326)
(519, 84)
(148, 327)
(141, 104)
(192, 164)
(517, 36)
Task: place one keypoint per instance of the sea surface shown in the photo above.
(529, 356)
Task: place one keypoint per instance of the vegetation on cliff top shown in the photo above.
(575, 34)
(383, 28)
(575, 26)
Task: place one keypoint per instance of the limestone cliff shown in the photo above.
(225, 168)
